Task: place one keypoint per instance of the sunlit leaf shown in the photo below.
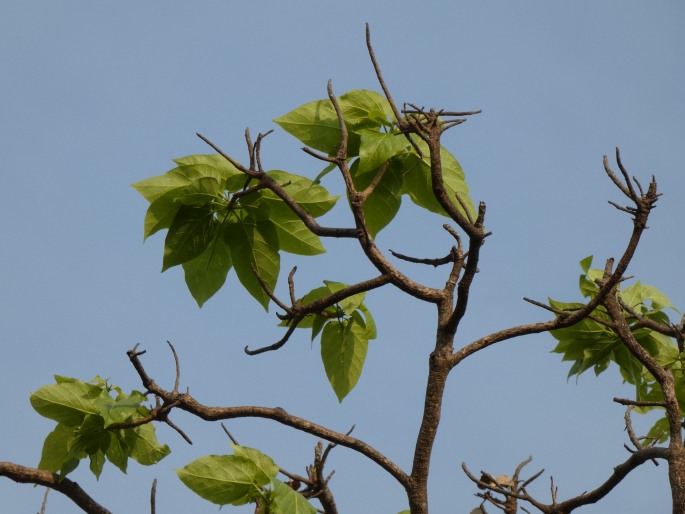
(224, 479)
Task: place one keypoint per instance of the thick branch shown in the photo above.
(65, 486)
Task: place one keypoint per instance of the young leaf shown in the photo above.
(189, 235)
(206, 273)
(285, 500)
(224, 479)
(254, 244)
(55, 451)
(343, 351)
(586, 263)
(364, 109)
(68, 401)
(219, 166)
(315, 124)
(375, 148)
(265, 463)
(143, 445)
(124, 408)
(349, 304)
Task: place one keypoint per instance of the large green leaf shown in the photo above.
(265, 463)
(212, 165)
(117, 451)
(378, 147)
(295, 237)
(311, 196)
(68, 401)
(224, 479)
(293, 234)
(254, 243)
(363, 109)
(315, 124)
(343, 351)
(206, 273)
(418, 181)
(190, 169)
(191, 232)
(285, 500)
(143, 445)
(55, 449)
(201, 191)
(381, 207)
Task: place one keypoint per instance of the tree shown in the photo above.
(221, 214)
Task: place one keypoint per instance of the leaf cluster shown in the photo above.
(90, 424)
(594, 343)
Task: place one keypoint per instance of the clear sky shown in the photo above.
(97, 95)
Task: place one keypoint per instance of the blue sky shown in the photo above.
(97, 95)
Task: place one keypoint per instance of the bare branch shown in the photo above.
(63, 485)
(191, 405)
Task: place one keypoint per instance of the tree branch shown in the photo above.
(191, 405)
(644, 205)
(63, 485)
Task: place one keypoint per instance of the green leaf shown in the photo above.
(363, 109)
(349, 304)
(124, 408)
(254, 244)
(117, 451)
(381, 207)
(212, 165)
(376, 148)
(224, 479)
(189, 235)
(67, 402)
(659, 431)
(55, 452)
(201, 191)
(262, 461)
(371, 332)
(97, 462)
(285, 500)
(315, 124)
(206, 273)
(143, 446)
(418, 181)
(343, 351)
(293, 234)
(318, 323)
(90, 437)
(162, 212)
(312, 197)
(586, 263)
